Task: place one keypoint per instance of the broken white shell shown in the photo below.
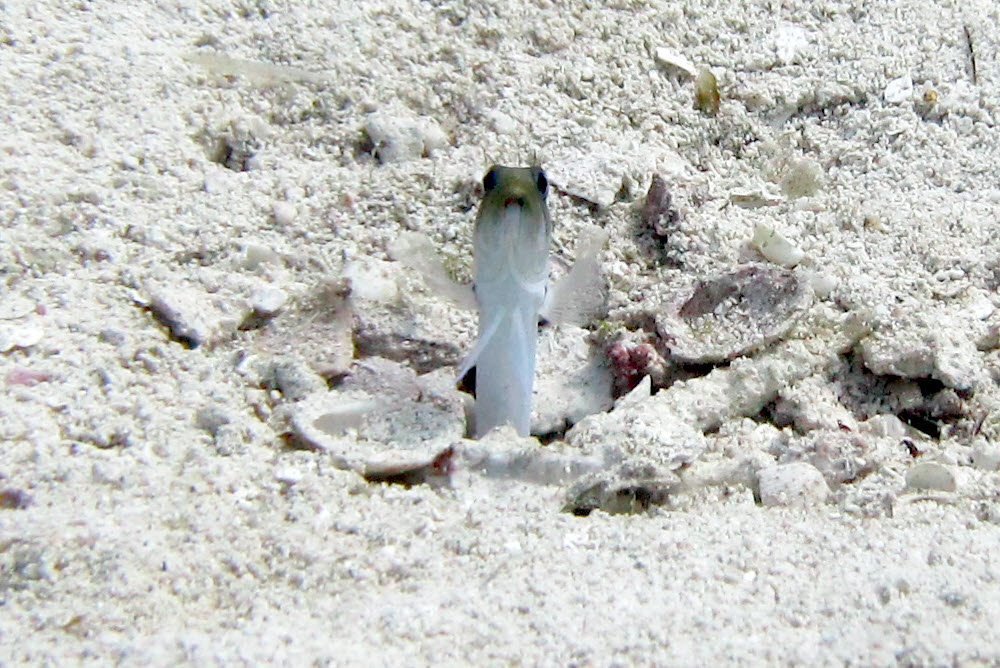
(774, 247)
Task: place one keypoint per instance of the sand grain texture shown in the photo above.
(164, 165)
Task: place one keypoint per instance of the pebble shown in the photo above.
(789, 42)
(13, 307)
(256, 254)
(647, 430)
(981, 307)
(372, 281)
(15, 499)
(802, 178)
(288, 475)
(792, 485)
(629, 488)
(986, 456)
(268, 301)
(27, 377)
(284, 213)
(823, 284)
(192, 316)
(294, 379)
(929, 345)
(643, 390)
(930, 476)
(899, 90)
(211, 419)
(774, 247)
(24, 334)
(402, 138)
(115, 337)
(502, 123)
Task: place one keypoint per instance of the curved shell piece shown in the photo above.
(726, 316)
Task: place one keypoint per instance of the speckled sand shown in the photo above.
(167, 520)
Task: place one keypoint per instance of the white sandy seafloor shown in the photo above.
(199, 203)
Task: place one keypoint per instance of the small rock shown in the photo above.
(21, 334)
(899, 90)
(502, 123)
(789, 43)
(774, 247)
(230, 439)
(979, 305)
(643, 390)
(235, 145)
(27, 377)
(884, 425)
(986, 456)
(658, 213)
(115, 337)
(15, 307)
(211, 419)
(801, 178)
(792, 485)
(840, 455)
(194, 317)
(926, 346)
(644, 430)
(398, 139)
(268, 301)
(293, 378)
(930, 476)
(628, 488)
(823, 284)
(256, 254)
(15, 499)
(721, 318)
(284, 213)
(288, 475)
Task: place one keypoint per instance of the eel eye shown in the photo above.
(541, 182)
(490, 180)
